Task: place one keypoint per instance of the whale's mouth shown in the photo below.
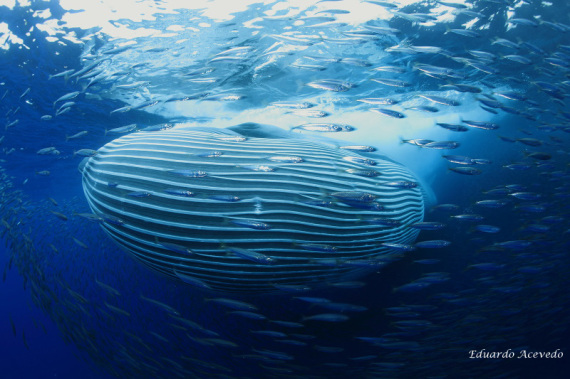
(224, 211)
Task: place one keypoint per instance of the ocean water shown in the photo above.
(470, 97)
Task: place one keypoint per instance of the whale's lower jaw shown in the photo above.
(248, 215)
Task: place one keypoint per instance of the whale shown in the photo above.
(251, 207)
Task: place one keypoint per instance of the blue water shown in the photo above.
(73, 302)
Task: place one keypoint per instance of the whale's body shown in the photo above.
(249, 213)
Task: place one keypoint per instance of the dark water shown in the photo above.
(74, 304)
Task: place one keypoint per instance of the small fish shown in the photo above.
(209, 154)
(234, 304)
(432, 244)
(312, 300)
(89, 216)
(365, 173)
(453, 127)
(157, 127)
(59, 215)
(481, 124)
(79, 243)
(469, 217)
(76, 135)
(61, 74)
(491, 203)
(310, 113)
(259, 168)
(464, 32)
(8, 125)
(441, 100)
(392, 82)
(86, 153)
(530, 141)
(250, 315)
(310, 67)
(192, 280)
(160, 304)
(117, 310)
(526, 195)
(176, 248)
(291, 288)
(427, 261)
(427, 225)
(269, 333)
(13, 326)
(251, 255)
(514, 244)
(190, 173)
(412, 287)
(466, 170)
(179, 192)
(443, 145)
(121, 110)
(518, 59)
(462, 88)
(353, 196)
(251, 224)
(488, 266)
(318, 247)
(227, 198)
(342, 307)
(402, 184)
(328, 317)
(293, 105)
(67, 96)
(107, 288)
(488, 228)
(360, 160)
(424, 108)
(388, 112)
(418, 142)
(62, 111)
(518, 166)
(122, 129)
(539, 155)
(378, 101)
(446, 207)
(523, 21)
(139, 194)
(48, 151)
(110, 219)
(358, 148)
(399, 246)
(333, 85)
(319, 127)
(348, 284)
(383, 222)
(459, 159)
(25, 92)
(286, 159)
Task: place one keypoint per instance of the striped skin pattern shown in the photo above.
(169, 198)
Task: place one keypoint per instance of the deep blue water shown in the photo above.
(74, 303)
